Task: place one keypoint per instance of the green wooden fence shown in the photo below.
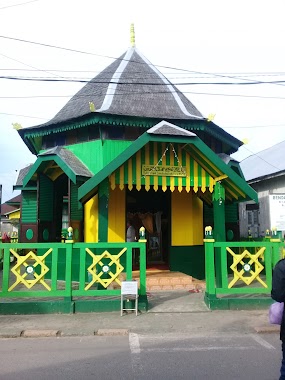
(67, 274)
(239, 274)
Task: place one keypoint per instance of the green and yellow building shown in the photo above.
(130, 145)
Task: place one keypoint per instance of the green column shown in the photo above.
(219, 212)
(103, 203)
(210, 267)
(219, 227)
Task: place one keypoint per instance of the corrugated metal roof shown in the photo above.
(265, 163)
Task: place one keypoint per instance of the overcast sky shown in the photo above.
(209, 41)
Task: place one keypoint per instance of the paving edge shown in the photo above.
(10, 335)
(267, 329)
(111, 332)
(40, 333)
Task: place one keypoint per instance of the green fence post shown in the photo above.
(276, 250)
(68, 269)
(6, 270)
(142, 267)
(209, 263)
(129, 263)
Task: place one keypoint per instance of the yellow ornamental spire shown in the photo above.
(133, 39)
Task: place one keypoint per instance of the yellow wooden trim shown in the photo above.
(147, 178)
(117, 216)
(238, 190)
(164, 186)
(189, 174)
(91, 220)
(221, 177)
(55, 174)
(196, 178)
(138, 170)
(228, 191)
(172, 184)
(203, 180)
(180, 180)
(15, 215)
(155, 160)
(211, 185)
(214, 170)
(122, 179)
(113, 181)
(130, 174)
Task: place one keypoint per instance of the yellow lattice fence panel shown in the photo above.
(105, 268)
(247, 267)
(28, 266)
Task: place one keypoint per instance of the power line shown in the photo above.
(197, 75)
(78, 80)
(14, 114)
(17, 5)
(144, 93)
(115, 58)
(261, 158)
(25, 64)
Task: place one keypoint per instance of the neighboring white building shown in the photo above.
(265, 172)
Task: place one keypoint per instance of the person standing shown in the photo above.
(131, 232)
(278, 294)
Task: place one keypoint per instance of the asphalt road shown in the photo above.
(134, 356)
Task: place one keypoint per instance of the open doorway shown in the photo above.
(151, 209)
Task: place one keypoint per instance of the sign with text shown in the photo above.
(129, 287)
(164, 171)
(277, 211)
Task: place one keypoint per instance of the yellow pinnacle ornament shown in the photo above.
(133, 39)
(211, 117)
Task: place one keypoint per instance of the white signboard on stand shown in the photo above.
(129, 291)
(277, 211)
(129, 287)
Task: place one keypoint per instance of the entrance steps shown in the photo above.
(165, 280)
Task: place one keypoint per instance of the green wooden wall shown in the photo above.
(188, 260)
(98, 153)
(46, 199)
(76, 208)
(29, 210)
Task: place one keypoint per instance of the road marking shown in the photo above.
(134, 343)
(135, 348)
(262, 342)
(198, 348)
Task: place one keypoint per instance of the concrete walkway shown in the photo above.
(172, 313)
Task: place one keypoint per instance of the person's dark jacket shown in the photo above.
(278, 290)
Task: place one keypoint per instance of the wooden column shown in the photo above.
(103, 203)
(219, 227)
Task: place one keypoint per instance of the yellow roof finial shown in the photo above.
(133, 39)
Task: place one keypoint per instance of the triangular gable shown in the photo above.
(58, 161)
(235, 186)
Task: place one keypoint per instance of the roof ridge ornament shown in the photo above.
(133, 37)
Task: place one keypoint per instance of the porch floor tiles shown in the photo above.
(165, 280)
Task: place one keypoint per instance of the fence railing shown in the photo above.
(240, 267)
(67, 270)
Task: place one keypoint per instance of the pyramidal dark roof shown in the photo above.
(130, 86)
